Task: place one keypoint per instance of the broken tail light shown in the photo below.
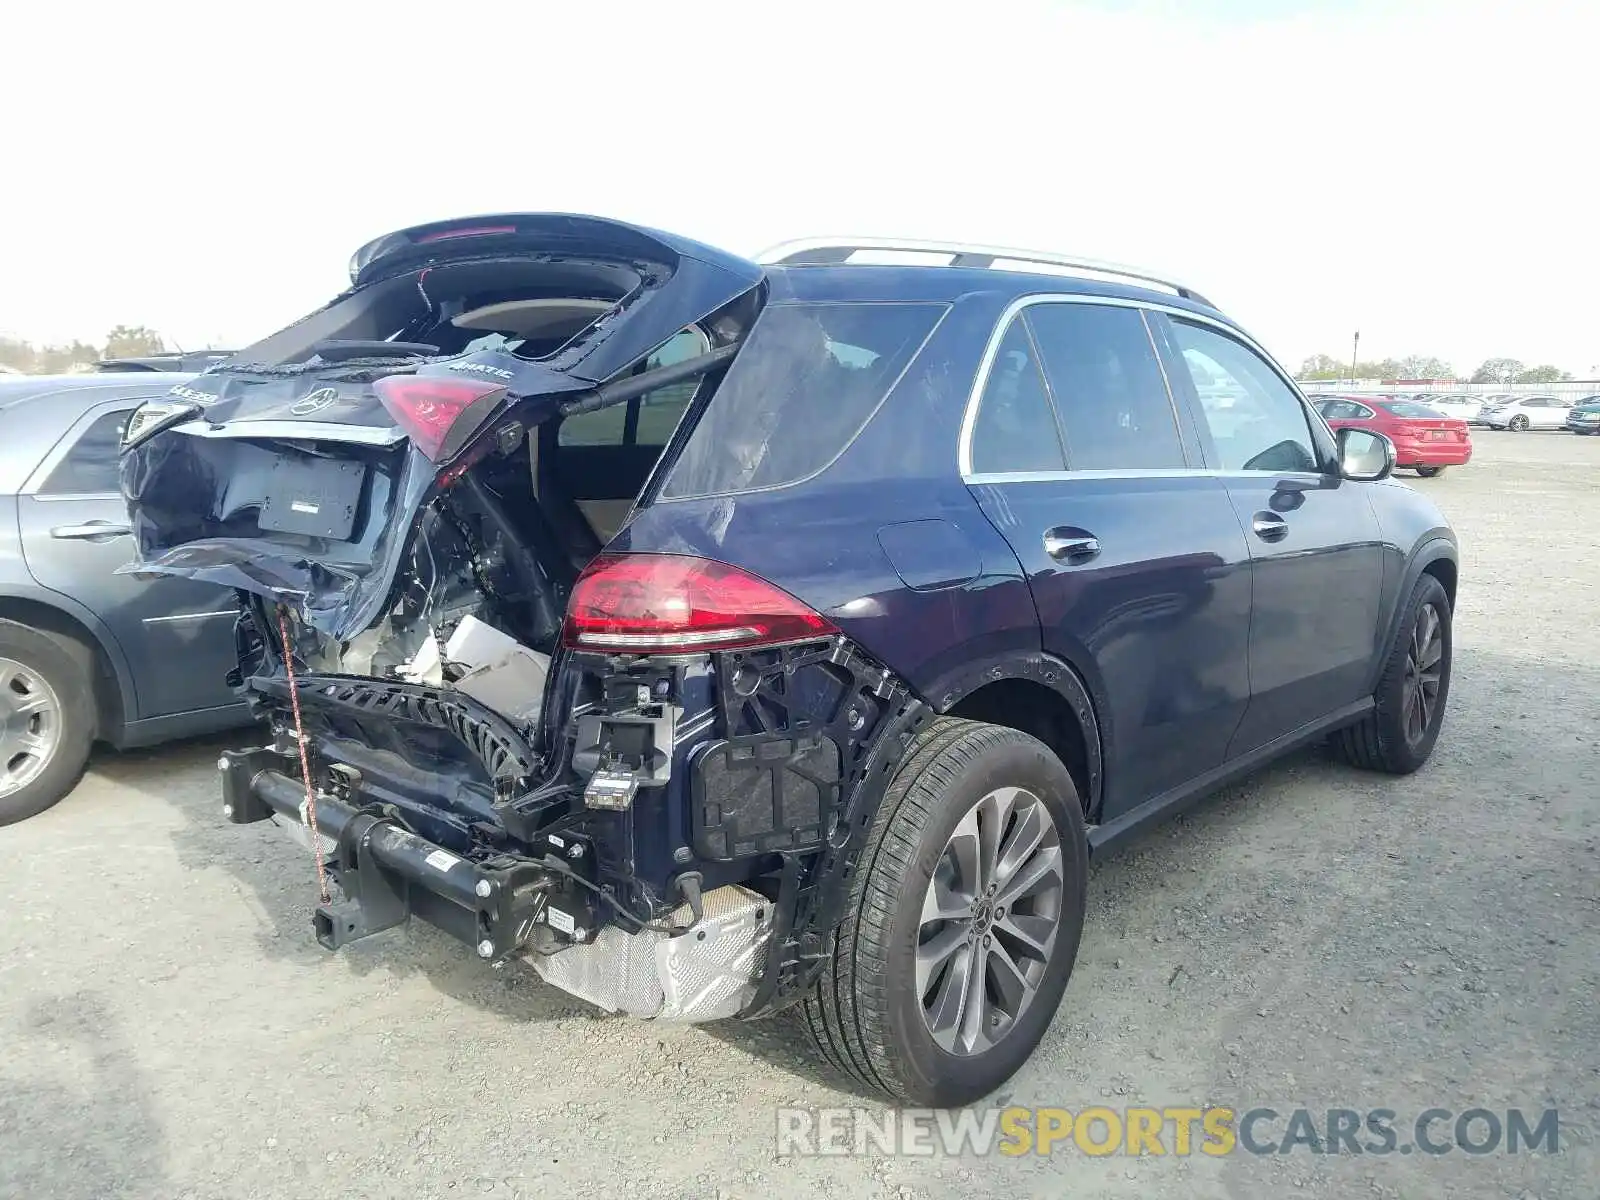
(438, 415)
(674, 603)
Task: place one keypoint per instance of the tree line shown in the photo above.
(124, 341)
(1418, 366)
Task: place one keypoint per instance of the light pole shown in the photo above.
(1355, 345)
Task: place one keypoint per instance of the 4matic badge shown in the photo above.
(482, 369)
(318, 400)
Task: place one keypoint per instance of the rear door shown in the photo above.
(176, 634)
(1137, 564)
(1315, 546)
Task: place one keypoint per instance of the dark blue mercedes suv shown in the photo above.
(725, 636)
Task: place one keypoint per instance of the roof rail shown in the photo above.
(820, 251)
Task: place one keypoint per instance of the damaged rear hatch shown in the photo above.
(301, 470)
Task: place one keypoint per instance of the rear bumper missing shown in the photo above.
(386, 874)
(505, 907)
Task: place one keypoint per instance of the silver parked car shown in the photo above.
(86, 653)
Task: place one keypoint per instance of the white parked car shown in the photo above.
(1529, 412)
(1463, 408)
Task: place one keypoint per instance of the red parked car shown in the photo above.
(1424, 439)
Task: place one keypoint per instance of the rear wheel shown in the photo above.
(965, 919)
(1518, 423)
(1398, 735)
(46, 721)
(1430, 472)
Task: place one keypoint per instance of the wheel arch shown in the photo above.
(1039, 695)
(66, 620)
(1434, 555)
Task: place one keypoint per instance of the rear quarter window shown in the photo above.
(90, 467)
(801, 390)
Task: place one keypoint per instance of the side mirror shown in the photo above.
(1365, 456)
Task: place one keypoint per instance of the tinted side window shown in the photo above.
(1113, 399)
(1260, 424)
(807, 381)
(90, 467)
(1016, 429)
(649, 419)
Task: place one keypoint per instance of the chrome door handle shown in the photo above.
(1269, 527)
(93, 531)
(1070, 545)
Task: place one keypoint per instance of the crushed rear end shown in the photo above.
(476, 715)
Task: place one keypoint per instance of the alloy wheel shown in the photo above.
(989, 920)
(30, 725)
(1424, 668)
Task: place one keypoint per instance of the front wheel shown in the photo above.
(1398, 735)
(1430, 472)
(965, 919)
(1519, 423)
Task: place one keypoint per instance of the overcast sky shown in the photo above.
(1422, 171)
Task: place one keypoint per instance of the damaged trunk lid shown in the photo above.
(303, 470)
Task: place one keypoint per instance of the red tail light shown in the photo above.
(438, 415)
(672, 603)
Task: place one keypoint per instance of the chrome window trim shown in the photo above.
(979, 477)
(993, 477)
(969, 416)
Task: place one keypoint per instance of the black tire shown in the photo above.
(1518, 424)
(865, 1014)
(1429, 472)
(67, 676)
(1380, 742)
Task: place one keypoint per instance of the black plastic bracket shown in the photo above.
(817, 694)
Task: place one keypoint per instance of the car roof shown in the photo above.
(86, 389)
(949, 284)
(174, 361)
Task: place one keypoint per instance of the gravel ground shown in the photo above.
(1313, 938)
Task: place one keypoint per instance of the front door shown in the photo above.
(1549, 413)
(1315, 545)
(177, 635)
(1137, 565)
